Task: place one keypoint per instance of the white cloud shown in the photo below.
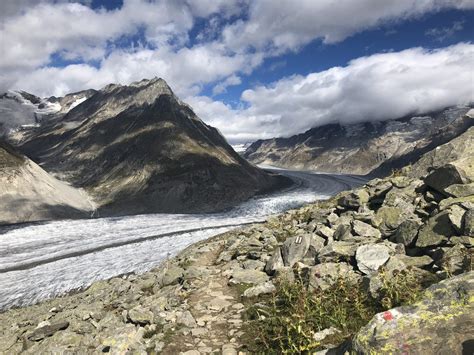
(378, 87)
(223, 85)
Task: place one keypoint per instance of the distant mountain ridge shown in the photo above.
(365, 148)
(138, 149)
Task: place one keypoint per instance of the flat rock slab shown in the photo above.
(371, 257)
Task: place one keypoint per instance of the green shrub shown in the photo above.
(287, 322)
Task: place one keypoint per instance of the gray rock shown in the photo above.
(295, 248)
(326, 232)
(455, 214)
(337, 251)
(371, 257)
(468, 223)
(262, 289)
(441, 323)
(253, 265)
(436, 231)
(251, 277)
(172, 276)
(343, 232)
(447, 175)
(315, 246)
(455, 260)
(140, 315)
(460, 190)
(406, 232)
(422, 262)
(275, 262)
(365, 230)
(186, 318)
(47, 330)
(354, 200)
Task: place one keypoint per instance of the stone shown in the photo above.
(337, 251)
(140, 315)
(455, 214)
(195, 272)
(390, 217)
(47, 330)
(422, 262)
(295, 248)
(186, 318)
(468, 223)
(229, 349)
(354, 200)
(455, 260)
(191, 352)
(371, 257)
(275, 262)
(253, 265)
(435, 231)
(262, 289)
(332, 219)
(326, 232)
(441, 323)
(316, 243)
(365, 230)
(323, 334)
(250, 277)
(460, 190)
(447, 175)
(322, 276)
(343, 232)
(406, 232)
(172, 276)
(464, 240)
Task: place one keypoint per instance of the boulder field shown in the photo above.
(196, 302)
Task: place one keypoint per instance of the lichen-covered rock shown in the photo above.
(458, 172)
(436, 231)
(365, 230)
(354, 200)
(441, 323)
(406, 232)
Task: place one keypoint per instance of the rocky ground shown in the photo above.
(196, 303)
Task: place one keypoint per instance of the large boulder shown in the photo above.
(354, 200)
(371, 257)
(365, 230)
(436, 231)
(275, 262)
(441, 323)
(406, 232)
(249, 277)
(457, 172)
(295, 248)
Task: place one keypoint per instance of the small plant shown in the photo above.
(287, 323)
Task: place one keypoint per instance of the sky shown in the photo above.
(252, 68)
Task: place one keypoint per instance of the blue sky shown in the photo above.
(255, 69)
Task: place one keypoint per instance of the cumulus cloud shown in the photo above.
(378, 87)
(280, 25)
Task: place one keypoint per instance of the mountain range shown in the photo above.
(132, 149)
(366, 148)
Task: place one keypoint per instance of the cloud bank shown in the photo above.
(374, 88)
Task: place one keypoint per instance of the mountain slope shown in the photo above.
(139, 149)
(371, 147)
(28, 193)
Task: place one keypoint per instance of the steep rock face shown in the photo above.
(371, 147)
(28, 193)
(139, 149)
